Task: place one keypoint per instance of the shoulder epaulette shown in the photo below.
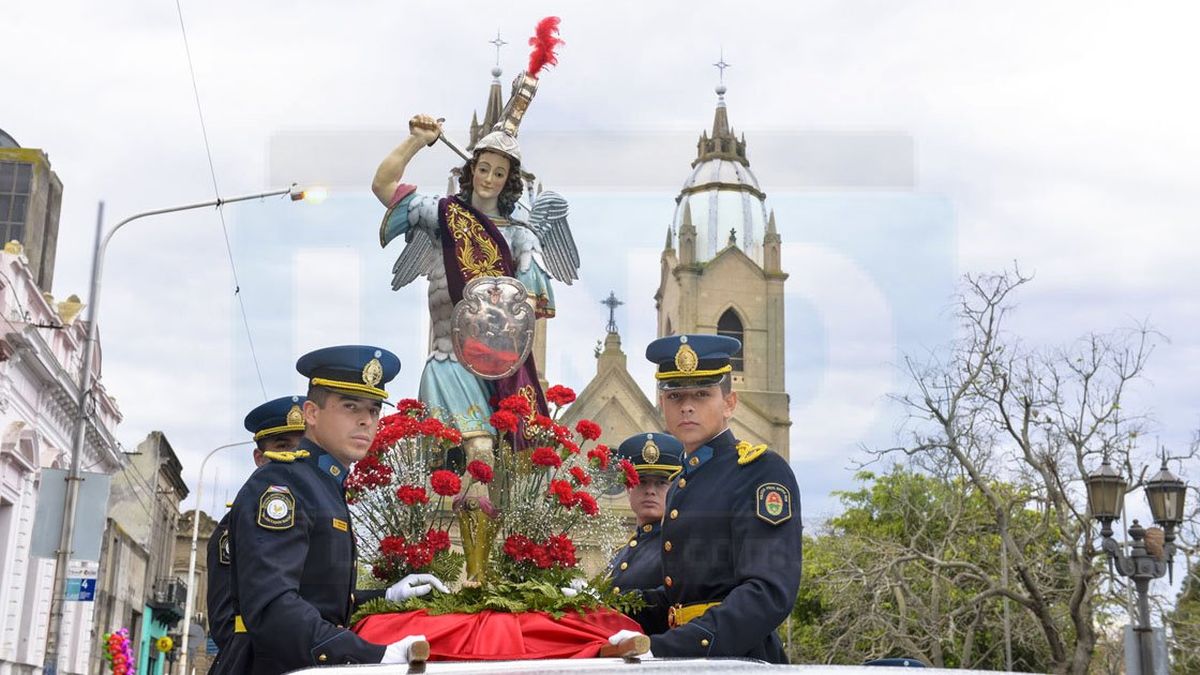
(288, 456)
(748, 453)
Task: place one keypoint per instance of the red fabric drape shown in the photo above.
(495, 636)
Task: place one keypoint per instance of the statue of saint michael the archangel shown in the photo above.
(488, 259)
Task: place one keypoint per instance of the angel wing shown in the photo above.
(421, 249)
(548, 220)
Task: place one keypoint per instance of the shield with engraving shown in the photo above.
(492, 327)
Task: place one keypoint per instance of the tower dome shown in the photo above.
(722, 193)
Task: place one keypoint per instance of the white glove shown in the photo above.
(574, 589)
(620, 636)
(414, 586)
(404, 652)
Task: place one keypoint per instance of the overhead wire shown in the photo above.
(237, 287)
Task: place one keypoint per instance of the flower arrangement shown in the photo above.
(400, 500)
(517, 514)
(118, 652)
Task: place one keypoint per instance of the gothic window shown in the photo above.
(729, 324)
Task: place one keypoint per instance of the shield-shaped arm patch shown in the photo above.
(773, 503)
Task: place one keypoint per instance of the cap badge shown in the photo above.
(650, 452)
(372, 373)
(294, 417)
(686, 359)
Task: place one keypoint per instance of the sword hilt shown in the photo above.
(450, 144)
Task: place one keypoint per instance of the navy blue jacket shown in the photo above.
(638, 566)
(294, 569)
(732, 535)
(220, 599)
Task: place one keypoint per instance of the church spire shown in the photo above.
(772, 255)
(687, 237)
(723, 143)
(495, 102)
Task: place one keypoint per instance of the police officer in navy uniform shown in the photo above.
(731, 547)
(638, 564)
(277, 426)
(293, 551)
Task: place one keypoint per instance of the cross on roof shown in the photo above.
(721, 65)
(612, 303)
(498, 43)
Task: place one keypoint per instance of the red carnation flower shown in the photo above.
(437, 540)
(411, 494)
(570, 446)
(451, 435)
(600, 455)
(542, 421)
(430, 426)
(480, 471)
(517, 547)
(392, 546)
(580, 476)
(385, 435)
(560, 395)
(504, 420)
(587, 503)
(539, 556)
(562, 490)
(410, 406)
(588, 429)
(546, 457)
(561, 433)
(418, 556)
(393, 428)
(516, 404)
(631, 476)
(445, 483)
(368, 473)
(561, 550)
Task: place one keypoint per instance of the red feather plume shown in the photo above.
(543, 42)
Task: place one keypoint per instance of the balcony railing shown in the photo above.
(168, 599)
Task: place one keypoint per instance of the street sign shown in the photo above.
(81, 580)
(91, 512)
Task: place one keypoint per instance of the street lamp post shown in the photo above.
(191, 578)
(86, 383)
(1152, 551)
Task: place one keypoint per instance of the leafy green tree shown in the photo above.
(905, 570)
(989, 512)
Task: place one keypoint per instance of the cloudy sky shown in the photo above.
(900, 144)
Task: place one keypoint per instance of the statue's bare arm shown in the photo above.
(423, 130)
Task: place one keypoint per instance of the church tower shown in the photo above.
(721, 273)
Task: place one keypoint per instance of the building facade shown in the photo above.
(200, 659)
(41, 343)
(138, 586)
(30, 201)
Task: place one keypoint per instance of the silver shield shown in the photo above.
(492, 327)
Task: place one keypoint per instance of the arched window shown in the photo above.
(729, 324)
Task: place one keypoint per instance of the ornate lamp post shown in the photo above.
(1152, 551)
